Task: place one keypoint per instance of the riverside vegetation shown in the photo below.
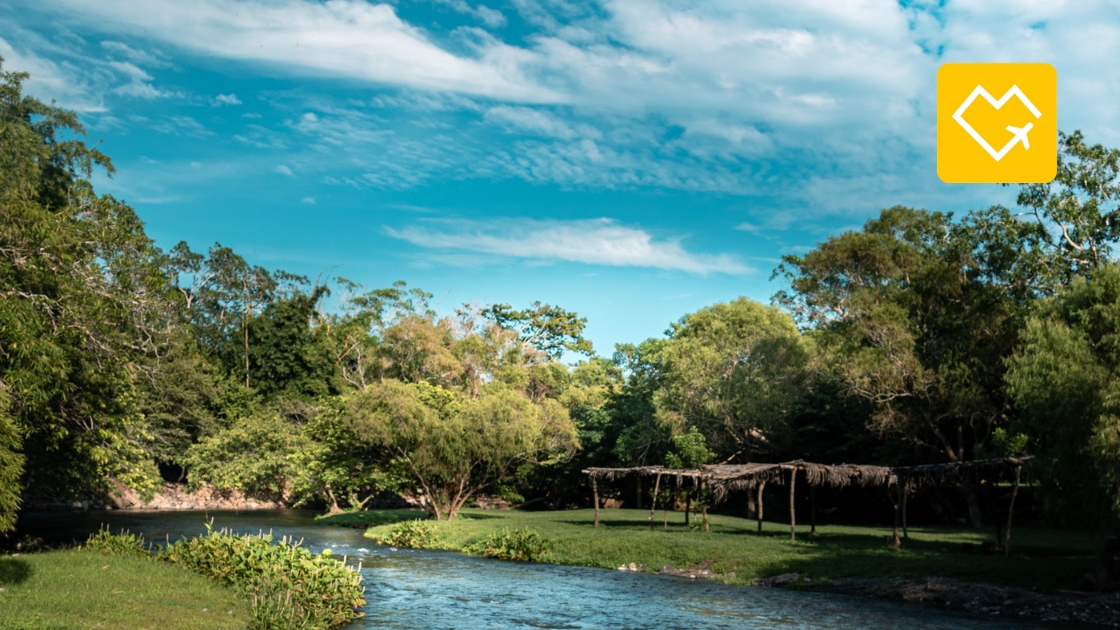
(281, 586)
(737, 553)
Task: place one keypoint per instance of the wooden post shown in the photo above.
(1010, 511)
(595, 489)
(665, 508)
(704, 484)
(813, 511)
(761, 485)
(905, 496)
(653, 503)
(792, 505)
(688, 503)
(895, 541)
(639, 495)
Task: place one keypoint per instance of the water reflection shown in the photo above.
(432, 589)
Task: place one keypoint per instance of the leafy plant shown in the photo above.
(122, 544)
(416, 534)
(288, 587)
(524, 545)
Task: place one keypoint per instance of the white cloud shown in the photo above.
(340, 38)
(227, 99)
(597, 242)
(283, 170)
(309, 200)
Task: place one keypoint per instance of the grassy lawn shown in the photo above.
(80, 589)
(1047, 559)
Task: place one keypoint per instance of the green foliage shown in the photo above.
(289, 588)
(415, 534)
(1063, 378)
(549, 329)
(283, 354)
(452, 447)
(121, 544)
(733, 371)
(690, 450)
(259, 455)
(11, 467)
(523, 545)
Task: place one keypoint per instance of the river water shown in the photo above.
(410, 589)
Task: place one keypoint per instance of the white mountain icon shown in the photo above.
(1020, 133)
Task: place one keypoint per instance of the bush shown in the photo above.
(416, 534)
(524, 545)
(122, 544)
(288, 587)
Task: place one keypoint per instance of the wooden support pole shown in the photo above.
(704, 484)
(665, 508)
(813, 511)
(792, 505)
(595, 490)
(761, 486)
(905, 496)
(1011, 510)
(639, 495)
(895, 541)
(688, 503)
(653, 503)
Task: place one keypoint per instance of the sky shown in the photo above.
(630, 160)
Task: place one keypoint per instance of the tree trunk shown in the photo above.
(895, 541)
(687, 506)
(653, 502)
(905, 498)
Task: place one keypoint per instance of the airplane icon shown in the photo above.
(1021, 135)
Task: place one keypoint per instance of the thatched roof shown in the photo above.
(957, 472)
(612, 474)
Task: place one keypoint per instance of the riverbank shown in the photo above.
(82, 589)
(851, 559)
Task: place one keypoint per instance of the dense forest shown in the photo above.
(924, 337)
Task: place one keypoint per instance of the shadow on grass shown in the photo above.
(372, 518)
(14, 571)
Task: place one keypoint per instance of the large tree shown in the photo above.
(453, 447)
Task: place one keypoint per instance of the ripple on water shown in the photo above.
(409, 589)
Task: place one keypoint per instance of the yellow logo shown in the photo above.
(997, 123)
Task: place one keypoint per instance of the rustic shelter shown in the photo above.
(908, 478)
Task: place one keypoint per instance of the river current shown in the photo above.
(409, 589)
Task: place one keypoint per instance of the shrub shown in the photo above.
(524, 545)
(416, 534)
(289, 588)
(122, 544)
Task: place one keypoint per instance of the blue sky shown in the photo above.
(632, 160)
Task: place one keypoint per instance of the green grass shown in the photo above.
(1047, 559)
(82, 589)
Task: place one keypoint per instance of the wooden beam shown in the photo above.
(595, 489)
(792, 504)
(653, 503)
(1011, 510)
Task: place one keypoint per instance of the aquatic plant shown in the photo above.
(524, 545)
(122, 544)
(288, 586)
(415, 534)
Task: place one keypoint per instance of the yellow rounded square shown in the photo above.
(997, 123)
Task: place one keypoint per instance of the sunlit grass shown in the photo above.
(81, 589)
(1046, 559)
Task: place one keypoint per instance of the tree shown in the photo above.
(733, 371)
(11, 467)
(81, 295)
(285, 357)
(453, 447)
(549, 329)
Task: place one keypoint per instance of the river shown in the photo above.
(410, 589)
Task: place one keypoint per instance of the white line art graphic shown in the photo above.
(1020, 133)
